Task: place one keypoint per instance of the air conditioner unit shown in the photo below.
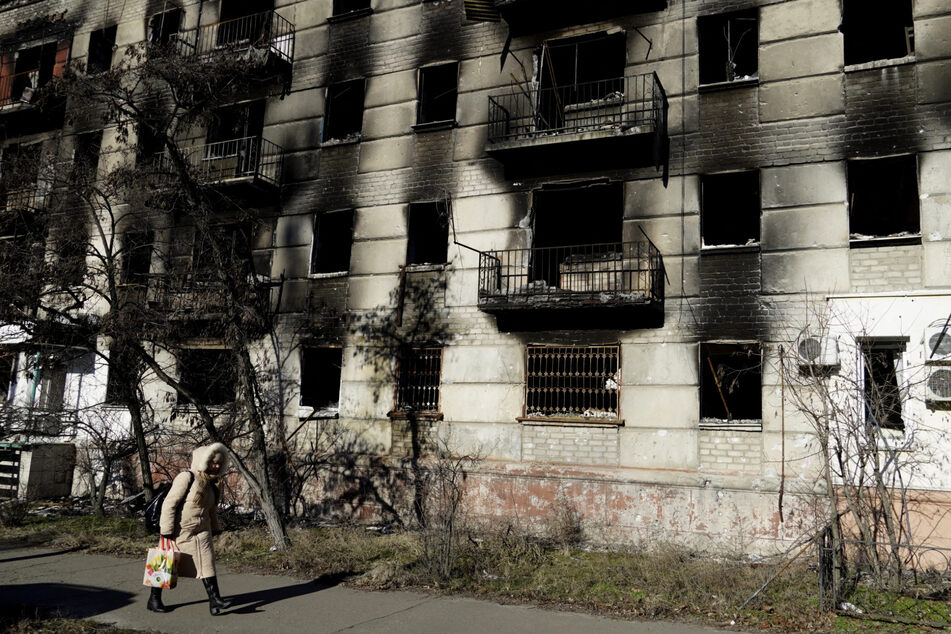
(936, 352)
(938, 385)
(815, 351)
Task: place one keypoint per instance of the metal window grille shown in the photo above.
(572, 381)
(417, 380)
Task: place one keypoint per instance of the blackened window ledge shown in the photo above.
(350, 15)
(426, 267)
(710, 249)
(402, 414)
(729, 85)
(305, 412)
(881, 63)
(350, 140)
(885, 241)
(329, 275)
(723, 424)
(431, 126)
(570, 421)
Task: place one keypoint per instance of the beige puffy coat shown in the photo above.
(192, 525)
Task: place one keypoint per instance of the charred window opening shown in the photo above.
(574, 224)
(883, 199)
(577, 71)
(437, 93)
(208, 374)
(343, 118)
(33, 68)
(333, 241)
(881, 386)
(320, 377)
(164, 27)
(730, 209)
(136, 257)
(86, 156)
(19, 175)
(8, 364)
(222, 248)
(731, 381)
(572, 382)
(428, 241)
(122, 379)
(877, 29)
(149, 145)
(418, 372)
(342, 7)
(237, 121)
(234, 9)
(102, 43)
(728, 46)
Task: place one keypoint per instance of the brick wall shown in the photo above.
(731, 451)
(570, 444)
(401, 436)
(880, 269)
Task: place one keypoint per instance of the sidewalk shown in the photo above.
(110, 590)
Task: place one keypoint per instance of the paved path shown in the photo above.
(109, 590)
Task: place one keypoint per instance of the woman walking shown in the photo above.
(190, 519)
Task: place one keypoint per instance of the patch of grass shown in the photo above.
(18, 620)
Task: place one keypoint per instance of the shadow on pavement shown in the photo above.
(38, 555)
(59, 599)
(251, 602)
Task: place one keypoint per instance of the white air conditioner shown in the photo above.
(815, 351)
(938, 385)
(937, 352)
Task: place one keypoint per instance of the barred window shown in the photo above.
(417, 379)
(572, 381)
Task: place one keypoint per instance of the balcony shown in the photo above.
(266, 39)
(535, 16)
(200, 296)
(18, 209)
(252, 164)
(572, 286)
(612, 123)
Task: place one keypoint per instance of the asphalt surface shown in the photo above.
(110, 590)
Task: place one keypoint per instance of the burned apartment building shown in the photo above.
(594, 245)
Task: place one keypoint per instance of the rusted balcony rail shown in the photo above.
(19, 87)
(266, 31)
(609, 273)
(248, 158)
(623, 104)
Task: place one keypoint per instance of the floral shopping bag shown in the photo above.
(161, 566)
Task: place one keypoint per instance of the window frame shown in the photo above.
(320, 409)
(105, 43)
(417, 354)
(225, 352)
(315, 248)
(705, 184)
(879, 194)
(336, 11)
(575, 352)
(423, 120)
(413, 237)
(330, 136)
(721, 347)
(898, 347)
(853, 30)
(704, 49)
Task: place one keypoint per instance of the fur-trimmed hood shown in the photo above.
(201, 456)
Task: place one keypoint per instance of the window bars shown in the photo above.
(572, 381)
(417, 379)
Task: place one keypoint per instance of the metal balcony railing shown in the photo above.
(248, 158)
(624, 104)
(602, 274)
(265, 31)
(19, 88)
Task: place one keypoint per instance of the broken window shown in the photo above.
(730, 208)
(86, 156)
(320, 376)
(343, 115)
(349, 6)
(572, 381)
(437, 93)
(208, 374)
(877, 29)
(222, 248)
(31, 69)
(136, 257)
(418, 372)
(164, 27)
(237, 121)
(579, 78)
(728, 45)
(576, 226)
(881, 386)
(428, 241)
(149, 146)
(102, 43)
(8, 363)
(883, 198)
(731, 381)
(243, 20)
(333, 239)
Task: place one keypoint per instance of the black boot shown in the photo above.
(155, 601)
(215, 603)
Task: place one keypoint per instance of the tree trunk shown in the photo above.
(135, 412)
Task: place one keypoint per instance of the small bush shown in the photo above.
(13, 513)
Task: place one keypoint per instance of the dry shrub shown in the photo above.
(13, 513)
